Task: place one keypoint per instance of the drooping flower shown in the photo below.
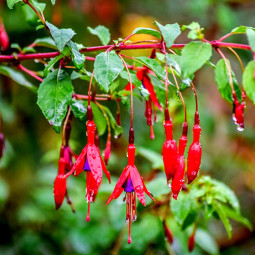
(195, 152)
(178, 179)
(91, 162)
(132, 183)
(4, 40)
(107, 151)
(169, 150)
(238, 111)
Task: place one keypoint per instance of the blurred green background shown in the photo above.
(28, 221)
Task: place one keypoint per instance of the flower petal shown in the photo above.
(138, 184)
(59, 190)
(78, 165)
(92, 188)
(118, 187)
(105, 170)
(95, 163)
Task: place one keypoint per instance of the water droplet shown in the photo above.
(116, 137)
(126, 154)
(169, 185)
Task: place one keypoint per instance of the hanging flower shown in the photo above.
(195, 152)
(91, 162)
(132, 183)
(4, 40)
(178, 179)
(238, 111)
(169, 150)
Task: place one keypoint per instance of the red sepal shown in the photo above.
(4, 40)
(59, 190)
(178, 179)
(194, 161)
(107, 152)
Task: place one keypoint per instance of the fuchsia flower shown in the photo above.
(107, 151)
(238, 111)
(169, 150)
(4, 40)
(91, 162)
(132, 183)
(195, 152)
(178, 179)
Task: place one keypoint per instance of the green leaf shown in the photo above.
(159, 88)
(205, 241)
(251, 38)
(51, 64)
(158, 187)
(60, 36)
(236, 216)
(77, 57)
(54, 95)
(249, 81)
(30, 15)
(107, 68)
(99, 118)
(152, 156)
(181, 207)
(195, 31)
(53, 2)
(17, 77)
(10, 3)
(240, 30)
(102, 33)
(154, 66)
(44, 42)
(78, 108)
(169, 32)
(28, 49)
(223, 83)
(148, 31)
(194, 56)
(223, 216)
(117, 129)
(144, 92)
(38, 6)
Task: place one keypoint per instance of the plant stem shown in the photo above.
(131, 91)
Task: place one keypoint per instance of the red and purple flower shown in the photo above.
(132, 183)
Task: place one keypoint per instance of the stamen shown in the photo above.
(129, 227)
(152, 133)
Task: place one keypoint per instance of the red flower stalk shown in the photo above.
(195, 152)
(178, 179)
(4, 40)
(238, 111)
(148, 115)
(169, 150)
(91, 162)
(168, 233)
(132, 183)
(2, 144)
(191, 241)
(107, 151)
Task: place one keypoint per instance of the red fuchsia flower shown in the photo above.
(168, 233)
(238, 111)
(2, 144)
(132, 183)
(191, 241)
(178, 179)
(59, 190)
(4, 40)
(195, 152)
(107, 151)
(91, 162)
(169, 150)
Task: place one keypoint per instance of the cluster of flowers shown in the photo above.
(130, 180)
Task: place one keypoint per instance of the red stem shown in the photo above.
(20, 56)
(31, 73)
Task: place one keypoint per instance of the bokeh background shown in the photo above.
(29, 223)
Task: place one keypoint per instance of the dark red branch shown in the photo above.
(20, 56)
